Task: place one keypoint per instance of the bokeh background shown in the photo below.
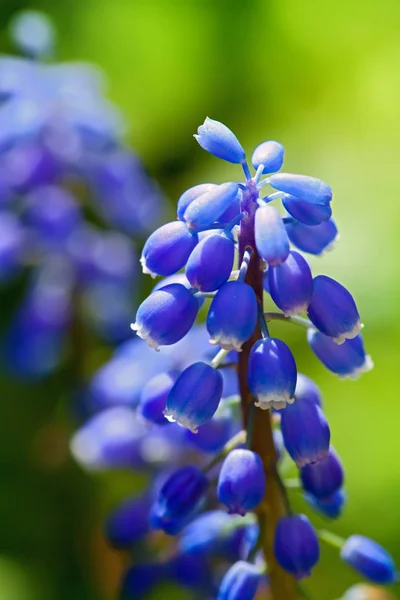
(322, 78)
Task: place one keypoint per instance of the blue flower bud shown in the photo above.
(306, 433)
(347, 360)
(303, 187)
(241, 483)
(180, 496)
(166, 316)
(216, 533)
(271, 238)
(240, 582)
(167, 249)
(190, 195)
(195, 396)
(333, 311)
(291, 284)
(306, 212)
(210, 264)
(190, 572)
(323, 478)
(140, 579)
(217, 139)
(232, 316)
(272, 373)
(370, 559)
(213, 436)
(330, 507)
(154, 397)
(270, 155)
(307, 390)
(313, 239)
(128, 523)
(296, 545)
(208, 208)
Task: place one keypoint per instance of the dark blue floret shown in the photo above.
(305, 432)
(324, 478)
(167, 249)
(296, 545)
(210, 264)
(291, 284)
(241, 483)
(370, 559)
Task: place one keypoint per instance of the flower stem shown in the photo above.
(272, 508)
(276, 316)
(331, 538)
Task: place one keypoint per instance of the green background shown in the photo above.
(324, 79)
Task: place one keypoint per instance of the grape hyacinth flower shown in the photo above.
(61, 136)
(370, 559)
(200, 395)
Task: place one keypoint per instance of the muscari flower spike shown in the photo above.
(212, 220)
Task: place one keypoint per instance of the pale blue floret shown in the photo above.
(219, 140)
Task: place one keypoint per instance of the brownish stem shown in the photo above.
(283, 586)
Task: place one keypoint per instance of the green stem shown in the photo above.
(276, 316)
(218, 358)
(331, 538)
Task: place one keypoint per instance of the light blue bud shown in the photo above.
(271, 238)
(303, 187)
(219, 140)
(167, 249)
(270, 154)
(190, 195)
(207, 208)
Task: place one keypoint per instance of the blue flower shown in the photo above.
(232, 316)
(202, 212)
(330, 507)
(306, 432)
(370, 559)
(191, 572)
(154, 397)
(210, 264)
(212, 436)
(218, 140)
(270, 236)
(333, 311)
(240, 582)
(166, 316)
(180, 497)
(315, 239)
(296, 545)
(128, 522)
(306, 212)
(167, 249)
(195, 396)
(272, 373)
(303, 187)
(270, 155)
(191, 194)
(218, 533)
(291, 284)
(307, 390)
(241, 483)
(346, 360)
(324, 478)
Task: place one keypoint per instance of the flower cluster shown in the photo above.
(166, 412)
(63, 168)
